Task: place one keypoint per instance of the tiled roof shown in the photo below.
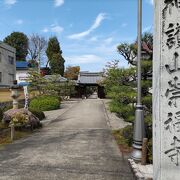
(90, 77)
(58, 78)
(21, 65)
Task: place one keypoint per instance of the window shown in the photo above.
(0, 77)
(11, 59)
(11, 78)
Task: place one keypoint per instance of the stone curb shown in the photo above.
(138, 172)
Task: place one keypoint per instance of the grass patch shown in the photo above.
(124, 138)
(3, 126)
(6, 138)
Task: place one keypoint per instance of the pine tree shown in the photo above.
(54, 54)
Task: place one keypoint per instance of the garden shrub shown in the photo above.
(39, 114)
(19, 119)
(146, 84)
(122, 94)
(1, 114)
(124, 136)
(149, 147)
(45, 103)
(125, 111)
(6, 108)
(147, 101)
(127, 133)
(130, 118)
(114, 106)
(148, 120)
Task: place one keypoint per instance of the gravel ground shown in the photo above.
(114, 121)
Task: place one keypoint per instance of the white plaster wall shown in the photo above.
(21, 75)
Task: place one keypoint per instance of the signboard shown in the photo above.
(166, 90)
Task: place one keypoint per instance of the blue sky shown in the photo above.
(88, 30)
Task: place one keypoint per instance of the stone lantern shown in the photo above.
(15, 94)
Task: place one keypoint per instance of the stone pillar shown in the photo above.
(166, 90)
(15, 94)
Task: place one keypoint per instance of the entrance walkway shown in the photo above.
(76, 146)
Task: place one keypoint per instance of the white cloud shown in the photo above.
(107, 49)
(95, 25)
(10, 2)
(83, 59)
(56, 29)
(53, 28)
(58, 3)
(19, 21)
(45, 30)
(150, 1)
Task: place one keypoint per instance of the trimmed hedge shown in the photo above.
(39, 114)
(124, 136)
(126, 111)
(45, 103)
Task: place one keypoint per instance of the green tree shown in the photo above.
(37, 82)
(54, 54)
(72, 72)
(19, 41)
(57, 64)
(33, 64)
(129, 50)
(59, 88)
(119, 87)
(122, 94)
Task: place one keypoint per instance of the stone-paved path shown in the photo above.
(76, 146)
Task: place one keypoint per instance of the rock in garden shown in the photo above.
(20, 114)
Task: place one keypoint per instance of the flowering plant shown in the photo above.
(19, 119)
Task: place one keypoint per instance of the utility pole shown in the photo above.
(139, 128)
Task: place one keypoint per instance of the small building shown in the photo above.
(90, 79)
(7, 65)
(22, 68)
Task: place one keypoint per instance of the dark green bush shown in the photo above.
(122, 94)
(146, 84)
(114, 106)
(1, 114)
(150, 155)
(124, 136)
(130, 118)
(148, 120)
(125, 111)
(39, 114)
(45, 103)
(10, 107)
(147, 101)
(127, 133)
